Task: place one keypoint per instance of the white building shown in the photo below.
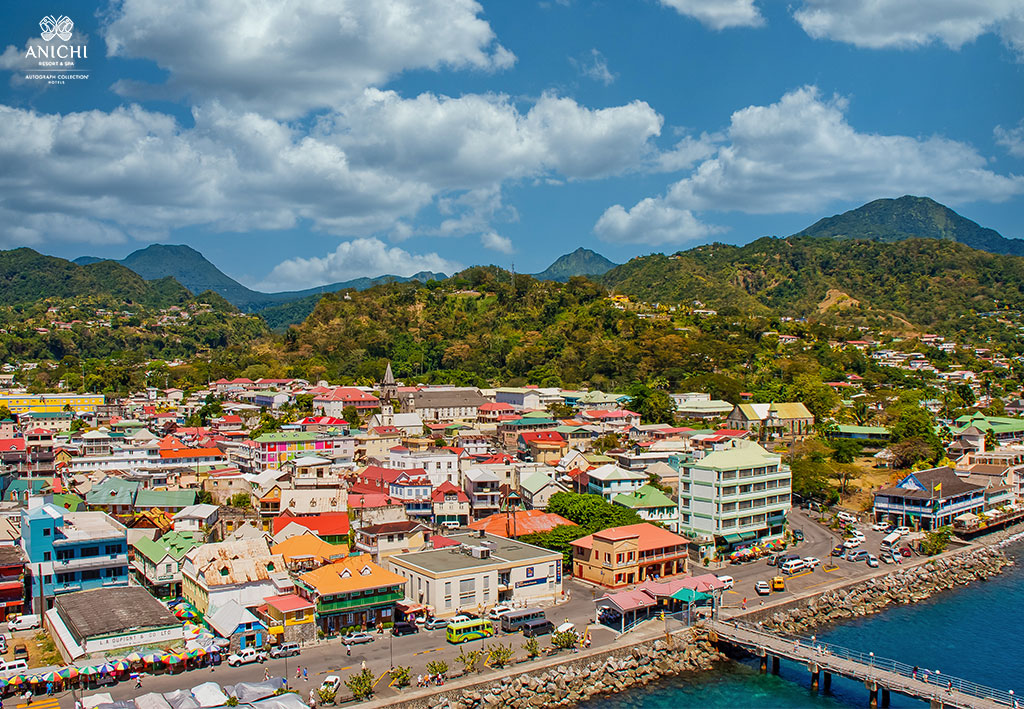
(440, 464)
(739, 493)
(610, 480)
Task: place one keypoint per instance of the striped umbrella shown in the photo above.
(16, 680)
(89, 671)
(50, 677)
(69, 673)
(197, 652)
(152, 658)
(3, 683)
(170, 658)
(36, 679)
(120, 666)
(107, 668)
(133, 657)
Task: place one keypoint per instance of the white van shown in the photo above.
(792, 566)
(24, 622)
(890, 540)
(13, 667)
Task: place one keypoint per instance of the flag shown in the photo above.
(938, 487)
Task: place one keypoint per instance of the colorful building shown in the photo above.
(622, 556)
(43, 403)
(352, 594)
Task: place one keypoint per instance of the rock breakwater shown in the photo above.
(578, 680)
(902, 586)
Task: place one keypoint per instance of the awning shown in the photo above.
(276, 630)
(747, 536)
(732, 538)
(688, 595)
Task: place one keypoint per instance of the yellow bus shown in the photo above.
(466, 630)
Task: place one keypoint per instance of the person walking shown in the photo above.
(138, 681)
(305, 674)
(298, 672)
(348, 650)
(266, 674)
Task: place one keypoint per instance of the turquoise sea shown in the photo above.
(976, 633)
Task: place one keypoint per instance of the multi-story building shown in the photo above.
(12, 579)
(439, 464)
(738, 493)
(484, 490)
(383, 540)
(610, 480)
(482, 571)
(157, 564)
(277, 448)
(352, 594)
(333, 403)
(652, 505)
(243, 571)
(438, 405)
(622, 556)
(71, 551)
(450, 505)
(289, 618)
(928, 499)
(79, 403)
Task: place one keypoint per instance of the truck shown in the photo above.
(246, 656)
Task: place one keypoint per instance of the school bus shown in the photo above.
(466, 630)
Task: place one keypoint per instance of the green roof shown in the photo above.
(50, 414)
(571, 429)
(287, 437)
(742, 455)
(535, 482)
(165, 498)
(73, 503)
(997, 424)
(529, 422)
(880, 430)
(113, 491)
(644, 497)
(174, 544)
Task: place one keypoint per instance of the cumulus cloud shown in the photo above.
(1011, 138)
(652, 221)
(799, 155)
(285, 59)
(353, 259)
(594, 66)
(719, 14)
(899, 24)
(369, 169)
(496, 242)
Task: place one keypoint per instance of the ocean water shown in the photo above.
(976, 633)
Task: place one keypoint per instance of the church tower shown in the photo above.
(388, 397)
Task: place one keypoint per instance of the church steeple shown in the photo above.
(388, 396)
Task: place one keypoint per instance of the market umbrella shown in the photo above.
(133, 657)
(120, 666)
(50, 677)
(196, 652)
(107, 668)
(152, 658)
(36, 679)
(89, 670)
(16, 680)
(171, 658)
(69, 673)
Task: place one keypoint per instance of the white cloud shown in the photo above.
(652, 221)
(719, 14)
(800, 155)
(594, 66)
(285, 59)
(900, 24)
(1011, 138)
(353, 259)
(496, 242)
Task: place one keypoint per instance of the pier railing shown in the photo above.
(863, 666)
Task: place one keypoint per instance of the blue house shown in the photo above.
(928, 499)
(239, 626)
(71, 551)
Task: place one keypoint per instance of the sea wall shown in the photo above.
(578, 679)
(901, 586)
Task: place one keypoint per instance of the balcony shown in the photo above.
(90, 562)
(333, 606)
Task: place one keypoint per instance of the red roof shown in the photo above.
(496, 407)
(648, 537)
(231, 418)
(520, 522)
(289, 602)
(440, 542)
(498, 459)
(191, 453)
(323, 524)
(349, 394)
(323, 421)
(12, 444)
(542, 437)
(378, 499)
(448, 488)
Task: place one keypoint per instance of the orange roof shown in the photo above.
(309, 546)
(354, 573)
(519, 523)
(191, 453)
(648, 537)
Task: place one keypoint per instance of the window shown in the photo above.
(46, 556)
(46, 531)
(90, 551)
(90, 574)
(47, 578)
(113, 549)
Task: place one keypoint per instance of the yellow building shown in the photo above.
(290, 618)
(51, 403)
(622, 556)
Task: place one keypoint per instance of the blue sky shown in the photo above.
(315, 141)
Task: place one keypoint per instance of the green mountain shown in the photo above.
(908, 217)
(194, 271)
(27, 276)
(921, 282)
(581, 262)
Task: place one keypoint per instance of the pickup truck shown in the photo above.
(246, 656)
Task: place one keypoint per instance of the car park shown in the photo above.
(435, 624)
(331, 684)
(727, 581)
(284, 650)
(356, 638)
(851, 543)
(399, 629)
(872, 561)
(246, 656)
(881, 527)
(762, 588)
(812, 561)
(858, 555)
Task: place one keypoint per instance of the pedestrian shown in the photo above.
(419, 680)
(744, 605)
(138, 682)
(949, 687)
(78, 704)
(348, 650)
(266, 674)
(298, 672)
(49, 689)
(363, 666)
(28, 696)
(312, 700)
(305, 674)
(914, 673)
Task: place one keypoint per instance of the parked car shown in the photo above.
(436, 624)
(872, 561)
(24, 622)
(538, 626)
(3, 643)
(498, 611)
(838, 550)
(885, 558)
(798, 534)
(284, 650)
(246, 656)
(859, 555)
(812, 561)
(460, 617)
(357, 638)
(846, 517)
(727, 581)
(857, 534)
(881, 527)
(20, 652)
(851, 543)
(905, 551)
(778, 583)
(399, 629)
(331, 683)
(902, 531)
(762, 588)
